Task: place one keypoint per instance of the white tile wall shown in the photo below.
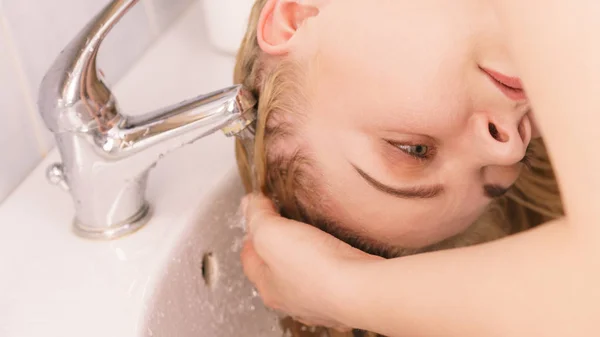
(32, 33)
(19, 149)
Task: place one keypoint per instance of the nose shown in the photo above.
(503, 139)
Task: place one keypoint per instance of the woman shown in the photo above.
(343, 141)
(469, 36)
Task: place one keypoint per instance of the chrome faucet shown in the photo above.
(107, 155)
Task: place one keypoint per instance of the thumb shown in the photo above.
(259, 211)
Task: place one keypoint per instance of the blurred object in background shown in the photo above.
(226, 22)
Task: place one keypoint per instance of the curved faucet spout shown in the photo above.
(107, 155)
(169, 128)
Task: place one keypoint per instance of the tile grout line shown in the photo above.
(150, 10)
(23, 86)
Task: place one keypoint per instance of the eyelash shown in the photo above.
(526, 161)
(404, 148)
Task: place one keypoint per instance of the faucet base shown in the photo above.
(115, 231)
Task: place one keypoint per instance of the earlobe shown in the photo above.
(279, 21)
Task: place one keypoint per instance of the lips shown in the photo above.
(509, 86)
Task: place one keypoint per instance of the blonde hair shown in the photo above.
(534, 198)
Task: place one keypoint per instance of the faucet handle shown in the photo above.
(56, 176)
(72, 97)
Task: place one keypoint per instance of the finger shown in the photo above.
(305, 322)
(254, 267)
(321, 323)
(259, 211)
(259, 274)
(342, 329)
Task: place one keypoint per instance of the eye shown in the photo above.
(419, 151)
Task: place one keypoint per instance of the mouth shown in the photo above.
(511, 87)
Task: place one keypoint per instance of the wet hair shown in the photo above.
(283, 172)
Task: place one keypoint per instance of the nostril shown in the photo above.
(494, 131)
(496, 134)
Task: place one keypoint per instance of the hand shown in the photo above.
(297, 268)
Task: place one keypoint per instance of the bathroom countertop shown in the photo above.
(56, 284)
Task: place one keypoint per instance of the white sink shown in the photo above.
(150, 283)
(204, 291)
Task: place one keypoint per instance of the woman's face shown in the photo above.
(409, 127)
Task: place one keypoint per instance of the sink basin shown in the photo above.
(204, 291)
(180, 274)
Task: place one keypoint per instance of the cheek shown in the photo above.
(454, 224)
(502, 175)
(419, 230)
(406, 224)
(535, 130)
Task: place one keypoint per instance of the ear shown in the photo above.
(279, 21)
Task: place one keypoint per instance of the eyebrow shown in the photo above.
(418, 192)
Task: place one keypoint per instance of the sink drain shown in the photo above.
(209, 269)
